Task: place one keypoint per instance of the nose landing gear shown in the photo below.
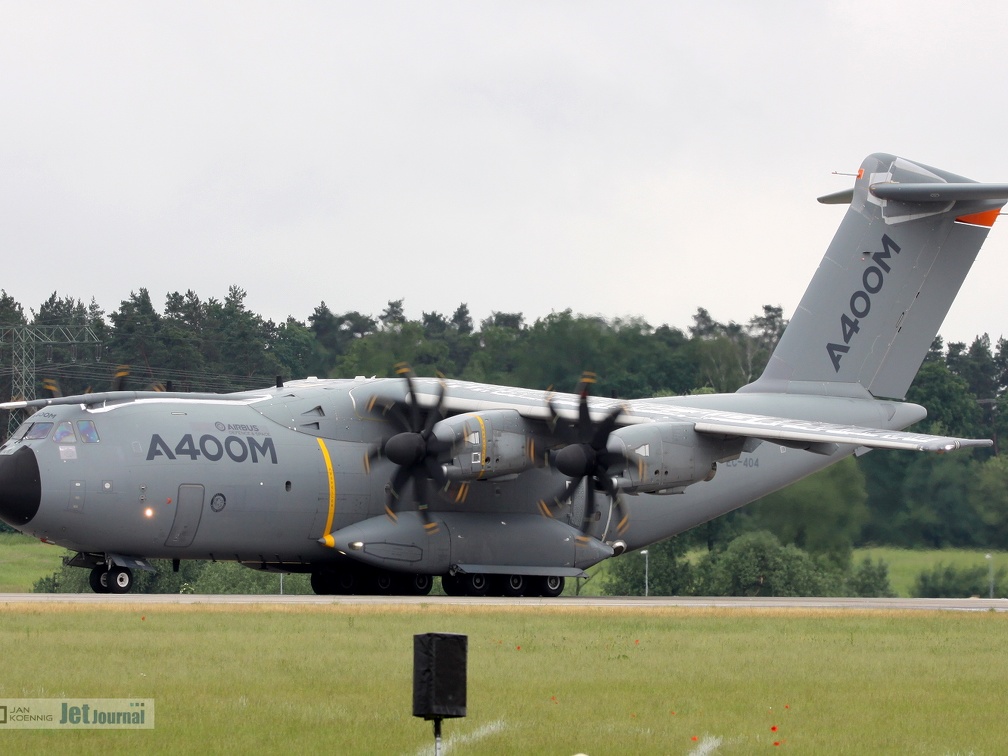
(99, 579)
(114, 580)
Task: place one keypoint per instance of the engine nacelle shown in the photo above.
(488, 444)
(673, 456)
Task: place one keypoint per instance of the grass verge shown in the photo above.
(23, 560)
(548, 680)
(906, 564)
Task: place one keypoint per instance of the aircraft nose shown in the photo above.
(20, 487)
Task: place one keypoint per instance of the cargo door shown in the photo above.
(188, 511)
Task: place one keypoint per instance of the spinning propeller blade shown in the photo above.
(586, 459)
(414, 449)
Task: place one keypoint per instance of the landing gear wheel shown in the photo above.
(99, 579)
(322, 582)
(514, 585)
(348, 583)
(120, 580)
(418, 585)
(551, 586)
(452, 585)
(384, 582)
(474, 584)
(330, 582)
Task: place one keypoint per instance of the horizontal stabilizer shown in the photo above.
(922, 192)
(938, 192)
(810, 432)
(843, 197)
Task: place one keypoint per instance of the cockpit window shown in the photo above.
(88, 432)
(37, 431)
(20, 432)
(64, 433)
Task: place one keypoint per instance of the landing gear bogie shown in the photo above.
(511, 586)
(369, 582)
(465, 584)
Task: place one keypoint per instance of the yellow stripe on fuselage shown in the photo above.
(483, 442)
(326, 535)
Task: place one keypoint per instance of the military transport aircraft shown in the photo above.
(381, 485)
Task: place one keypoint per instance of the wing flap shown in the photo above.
(815, 434)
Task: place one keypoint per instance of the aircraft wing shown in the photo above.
(801, 432)
(816, 436)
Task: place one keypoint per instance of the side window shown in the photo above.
(64, 433)
(37, 431)
(88, 432)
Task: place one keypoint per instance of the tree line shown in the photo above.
(884, 498)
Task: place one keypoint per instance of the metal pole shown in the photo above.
(644, 553)
(990, 574)
(437, 737)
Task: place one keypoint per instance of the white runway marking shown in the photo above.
(707, 746)
(451, 741)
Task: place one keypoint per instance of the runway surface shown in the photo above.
(599, 602)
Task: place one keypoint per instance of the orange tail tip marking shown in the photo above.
(985, 218)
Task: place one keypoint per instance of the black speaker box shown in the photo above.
(439, 675)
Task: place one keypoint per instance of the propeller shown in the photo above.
(587, 459)
(119, 381)
(52, 386)
(414, 449)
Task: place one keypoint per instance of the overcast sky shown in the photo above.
(618, 158)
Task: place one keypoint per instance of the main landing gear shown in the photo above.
(478, 584)
(111, 580)
(369, 582)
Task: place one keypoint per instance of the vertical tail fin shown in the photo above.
(886, 282)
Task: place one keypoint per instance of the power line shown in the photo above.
(24, 340)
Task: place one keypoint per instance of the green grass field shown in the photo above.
(906, 564)
(24, 560)
(551, 680)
